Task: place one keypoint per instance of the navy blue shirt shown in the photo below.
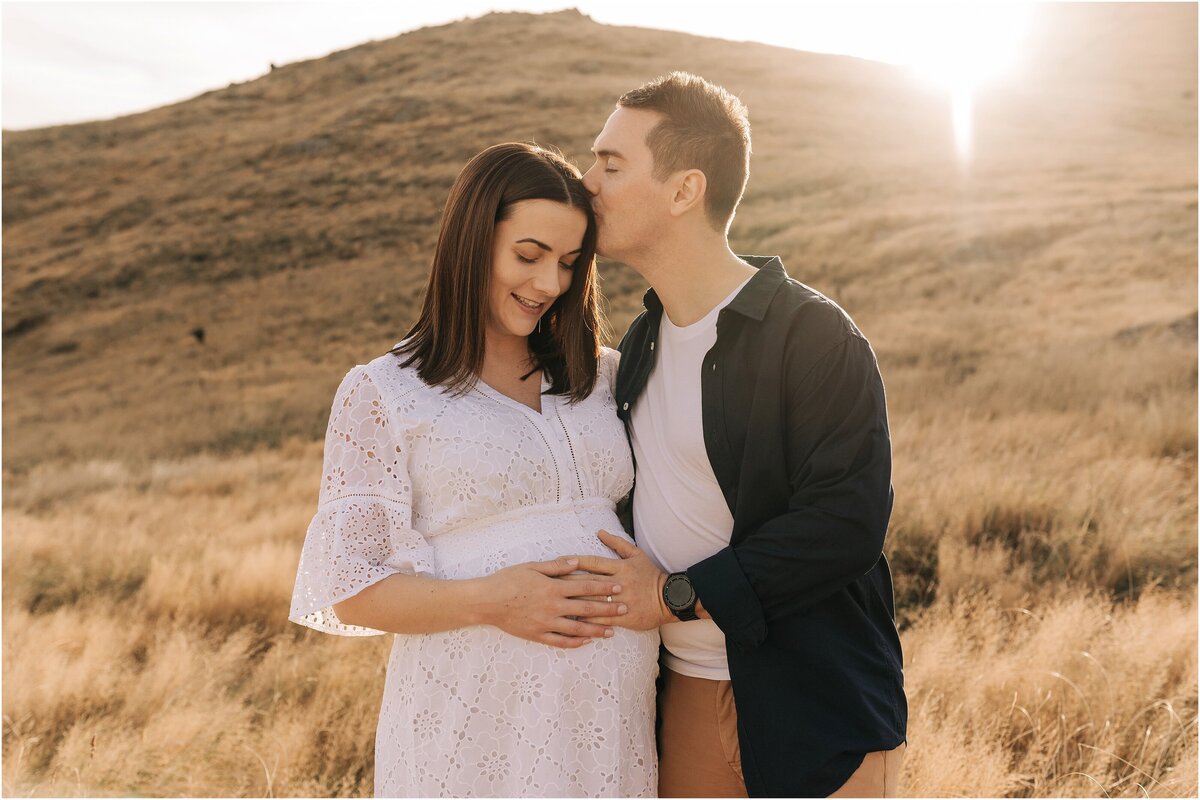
(795, 427)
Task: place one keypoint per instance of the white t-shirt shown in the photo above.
(679, 512)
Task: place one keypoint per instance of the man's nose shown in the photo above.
(589, 182)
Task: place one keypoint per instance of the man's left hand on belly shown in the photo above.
(641, 584)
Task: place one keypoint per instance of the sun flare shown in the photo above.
(962, 46)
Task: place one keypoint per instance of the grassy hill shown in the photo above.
(1033, 309)
(292, 217)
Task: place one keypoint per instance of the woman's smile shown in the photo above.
(528, 306)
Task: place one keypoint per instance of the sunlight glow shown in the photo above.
(960, 114)
(953, 46)
(965, 46)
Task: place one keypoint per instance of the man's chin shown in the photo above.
(603, 251)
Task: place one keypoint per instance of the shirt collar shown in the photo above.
(754, 298)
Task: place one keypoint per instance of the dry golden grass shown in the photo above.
(1079, 698)
(165, 665)
(1034, 314)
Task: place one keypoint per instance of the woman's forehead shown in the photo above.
(546, 222)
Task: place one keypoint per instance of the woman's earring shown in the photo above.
(539, 329)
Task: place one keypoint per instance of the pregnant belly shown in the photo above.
(533, 533)
(483, 679)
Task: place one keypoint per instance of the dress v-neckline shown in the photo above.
(546, 400)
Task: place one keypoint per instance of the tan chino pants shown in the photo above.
(700, 755)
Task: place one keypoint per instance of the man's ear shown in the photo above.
(690, 187)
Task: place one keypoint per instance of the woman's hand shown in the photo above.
(529, 601)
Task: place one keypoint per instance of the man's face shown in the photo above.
(631, 205)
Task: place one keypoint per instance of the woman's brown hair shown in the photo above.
(447, 342)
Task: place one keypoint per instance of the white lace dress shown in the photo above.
(422, 482)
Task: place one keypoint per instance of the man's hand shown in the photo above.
(641, 584)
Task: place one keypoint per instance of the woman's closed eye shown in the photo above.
(567, 265)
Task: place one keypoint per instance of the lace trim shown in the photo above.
(396, 500)
(571, 447)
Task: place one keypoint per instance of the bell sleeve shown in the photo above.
(362, 531)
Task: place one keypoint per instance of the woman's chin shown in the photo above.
(521, 331)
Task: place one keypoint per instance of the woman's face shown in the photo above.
(533, 255)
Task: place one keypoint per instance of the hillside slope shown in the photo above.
(292, 217)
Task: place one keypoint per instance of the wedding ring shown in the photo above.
(609, 598)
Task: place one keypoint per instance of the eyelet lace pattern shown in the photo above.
(420, 482)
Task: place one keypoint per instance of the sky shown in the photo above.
(67, 62)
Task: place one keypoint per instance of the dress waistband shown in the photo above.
(520, 513)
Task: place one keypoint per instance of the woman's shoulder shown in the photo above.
(393, 378)
(609, 354)
(387, 376)
(607, 364)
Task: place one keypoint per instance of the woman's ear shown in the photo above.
(690, 186)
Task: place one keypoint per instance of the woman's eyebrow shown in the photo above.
(547, 247)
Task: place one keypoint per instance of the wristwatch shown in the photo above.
(679, 596)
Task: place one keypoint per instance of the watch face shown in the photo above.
(679, 593)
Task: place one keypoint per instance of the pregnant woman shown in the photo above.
(457, 468)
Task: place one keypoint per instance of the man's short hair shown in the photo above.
(704, 127)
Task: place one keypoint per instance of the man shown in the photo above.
(757, 418)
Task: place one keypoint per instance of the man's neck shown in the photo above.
(690, 279)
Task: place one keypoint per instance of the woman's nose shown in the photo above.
(545, 278)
